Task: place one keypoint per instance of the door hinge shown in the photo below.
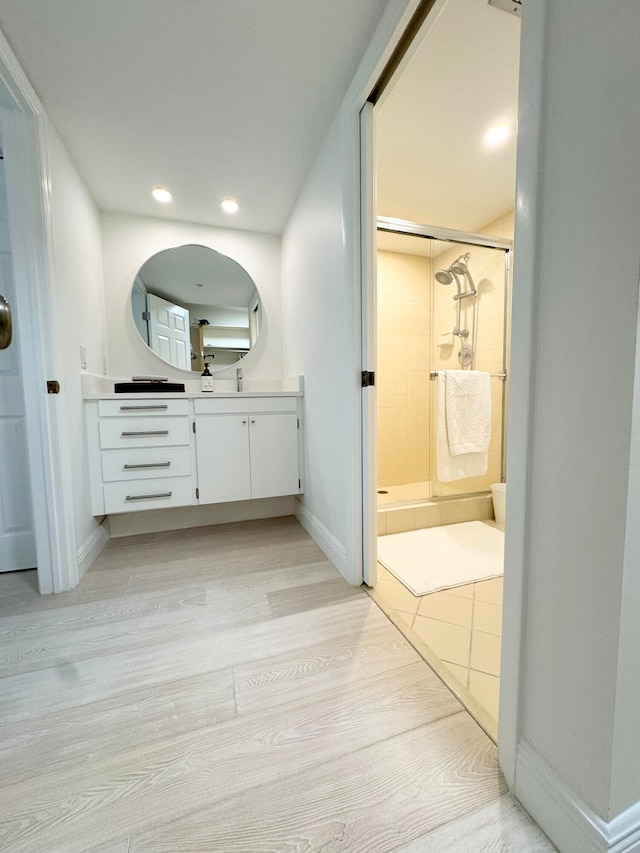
(146, 315)
(198, 494)
(299, 484)
(53, 386)
(193, 427)
(298, 422)
(368, 378)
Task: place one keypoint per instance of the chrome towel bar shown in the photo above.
(433, 374)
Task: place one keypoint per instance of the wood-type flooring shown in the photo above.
(223, 690)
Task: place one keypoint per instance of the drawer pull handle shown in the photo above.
(143, 408)
(147, 465)
(145, 432)
(148, 497)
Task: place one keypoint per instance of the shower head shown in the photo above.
(459, 269)
(444, 277)
(459, 266)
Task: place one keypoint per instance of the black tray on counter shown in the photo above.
(147, 387)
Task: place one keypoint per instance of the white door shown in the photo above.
(273, 441)
(169, 331)
(17, 540)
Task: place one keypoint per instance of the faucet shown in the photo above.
(238, 379)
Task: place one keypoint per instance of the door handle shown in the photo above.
(6, 327)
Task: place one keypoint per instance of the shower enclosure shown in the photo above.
(442, 305)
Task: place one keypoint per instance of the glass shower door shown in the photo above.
(468, 332)
(404, 304)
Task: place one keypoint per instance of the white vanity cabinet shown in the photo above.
(247, 448)
(159, 451)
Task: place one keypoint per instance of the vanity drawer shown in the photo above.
(127, 408)
(143, 432)
(148, 494)
(238, 405)
(146, 463)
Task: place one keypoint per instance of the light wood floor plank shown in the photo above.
(30, 601)
(275, 579)
(324, 666)
(110, 610)
(16, 583)
(57, 741)
(500, 827)
(116, 847)
(138, 788)
(372, 801)
(300, 598)
(105, 638)
(210, 567)
(188, 649)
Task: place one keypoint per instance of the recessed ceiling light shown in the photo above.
(161, 194)
(497, 135)
(229, 205)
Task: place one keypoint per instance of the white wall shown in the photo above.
(321, 286)
(572, 515)
(79, 317)
(128, 241)
(318, 316)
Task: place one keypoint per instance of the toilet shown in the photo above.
(499, 495)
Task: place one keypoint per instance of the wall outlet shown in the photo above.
(83, 357)
(105, 364)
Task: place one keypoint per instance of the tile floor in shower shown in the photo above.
(407, 493)
(458, 631)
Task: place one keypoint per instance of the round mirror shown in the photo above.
(193, 306)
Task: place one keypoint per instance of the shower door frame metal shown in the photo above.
(451, 235)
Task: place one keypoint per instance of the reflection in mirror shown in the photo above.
(194, 306)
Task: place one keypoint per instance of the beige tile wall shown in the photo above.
(403, 368)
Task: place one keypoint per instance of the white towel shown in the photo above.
(450, 467)
(468, 407)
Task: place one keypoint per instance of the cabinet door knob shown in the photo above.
(244, 422)
(252, 421)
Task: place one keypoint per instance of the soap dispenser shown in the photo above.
(206, 379)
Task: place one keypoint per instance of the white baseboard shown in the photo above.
(569, 822)
(88, 552)
(324, 539)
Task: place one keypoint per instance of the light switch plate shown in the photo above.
(83, 357)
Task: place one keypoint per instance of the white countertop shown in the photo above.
(101, 388)
(190, 395)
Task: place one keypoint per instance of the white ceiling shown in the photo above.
(209, 98)
(433, 167)
(215, 98)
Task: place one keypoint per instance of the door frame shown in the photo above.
(523, 325)
(23, 126)
(369, 314)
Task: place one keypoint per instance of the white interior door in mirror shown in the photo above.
(169, 331)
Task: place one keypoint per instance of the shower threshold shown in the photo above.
(416, 514)
(417, 493)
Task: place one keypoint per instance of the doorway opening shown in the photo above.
(444, 131)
